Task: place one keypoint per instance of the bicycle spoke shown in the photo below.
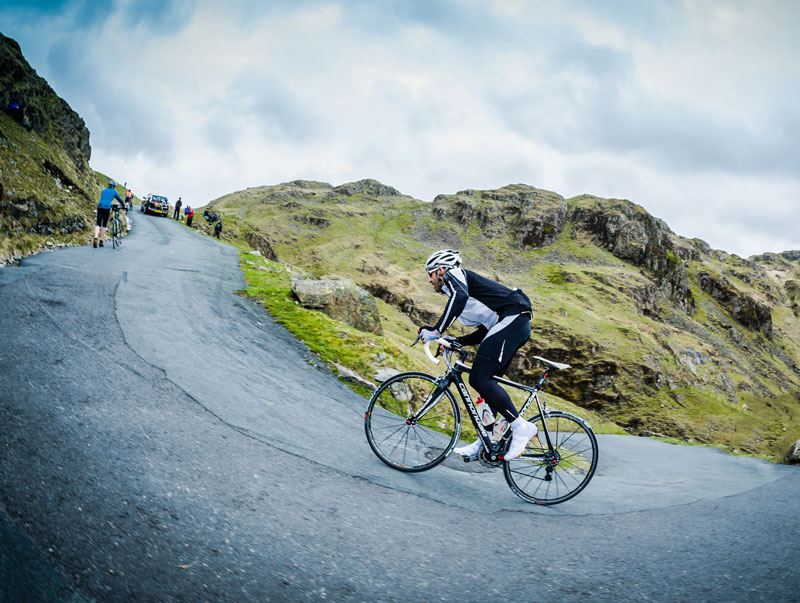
(402, 436)
(550, 476)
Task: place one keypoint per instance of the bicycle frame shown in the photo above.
(116, 226)
(454, 376)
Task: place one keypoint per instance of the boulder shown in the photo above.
(792, 456)
(342, 300)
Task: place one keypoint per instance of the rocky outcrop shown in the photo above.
(256, 240)
(341, 300)
(49, 114)
(367, 187)
(635, 236)
(533, 217)
(745, 310)
(47, 188)
(792, 289)
(309, 184)
(33, 217)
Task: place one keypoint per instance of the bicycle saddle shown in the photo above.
(553, 365)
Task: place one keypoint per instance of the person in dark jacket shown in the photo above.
(177, 213)
(17, 112)
(503, 320)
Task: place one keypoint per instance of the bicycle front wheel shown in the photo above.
(550, 474)
(412, 424)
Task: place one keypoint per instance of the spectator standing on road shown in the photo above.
(104, 210)
(177, 214)
(218, 228)
(189, 215)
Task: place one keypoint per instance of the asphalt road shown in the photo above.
(161, 439)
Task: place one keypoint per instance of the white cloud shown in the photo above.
(685, 108)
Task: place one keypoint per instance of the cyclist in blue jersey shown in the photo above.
(104, 210)
(503, 320)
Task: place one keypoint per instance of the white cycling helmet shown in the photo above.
(449, 258)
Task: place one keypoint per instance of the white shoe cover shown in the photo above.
(470, 449)
(522, 433)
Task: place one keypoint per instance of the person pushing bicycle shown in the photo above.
(503, 320)
(107, 198)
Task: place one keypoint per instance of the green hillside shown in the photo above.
(666, 336)
(48, 191)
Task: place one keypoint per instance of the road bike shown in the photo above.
(413, 422)
(116, 228)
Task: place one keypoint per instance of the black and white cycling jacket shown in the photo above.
(478, 301)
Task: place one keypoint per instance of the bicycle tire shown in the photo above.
(550, 480)
(404, 444)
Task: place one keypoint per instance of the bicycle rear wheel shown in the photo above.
(411, 423)
(115, 241)
(548, 477)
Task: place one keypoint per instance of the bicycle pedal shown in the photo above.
(469, 459)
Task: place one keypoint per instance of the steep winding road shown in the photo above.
(162, 439)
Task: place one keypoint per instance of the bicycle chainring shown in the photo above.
(485, 457)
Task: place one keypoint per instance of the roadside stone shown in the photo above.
(342, 300)
(346, 374)
(385, 373)
(401, 391)
(792, 456)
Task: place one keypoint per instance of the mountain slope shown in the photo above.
(47, 189)
(665, 334)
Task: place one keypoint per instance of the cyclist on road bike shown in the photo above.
(503, 320)
(104, 210)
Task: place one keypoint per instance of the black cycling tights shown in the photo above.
(493, 358)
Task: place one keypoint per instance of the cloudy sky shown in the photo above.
(686, 107)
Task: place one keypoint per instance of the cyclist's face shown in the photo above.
(434, 279)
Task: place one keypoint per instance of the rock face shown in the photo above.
(50, 115)
(341, 300)
(47, 188)
(749, 312)
(367, 187)
(635, 236)
(534, 217)
(256, 240)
